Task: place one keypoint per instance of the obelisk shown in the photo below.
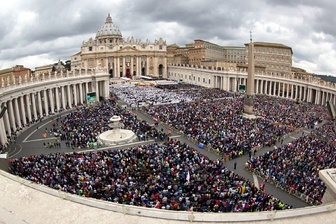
(249, 96)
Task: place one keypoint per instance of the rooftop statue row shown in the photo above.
(129, 40)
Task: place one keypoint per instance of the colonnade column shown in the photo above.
(262, 88)
(28, 107)
(39, 101)
(74, 87)
(3, 138)
(257, 86)
(7, 124)
(274, 88)
(52, 99)
(11, 115)
(23, 112)
(69, 96)
(33, 101)
(269, 86)
(317, 97)
(288, 92)
(308, 95)
(17, 113)
(57, 99)
(46, 106)
(63, 98)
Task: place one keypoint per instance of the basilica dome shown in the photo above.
(108, 29)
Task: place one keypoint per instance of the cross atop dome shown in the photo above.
(108, 19)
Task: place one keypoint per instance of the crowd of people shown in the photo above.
(82, 127)
(165, 94)
(133, 95)
(221, 126)
(169, 175)
(295, 167)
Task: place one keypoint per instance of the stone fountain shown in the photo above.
(116, 135)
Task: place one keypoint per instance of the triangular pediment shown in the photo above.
(128, 49)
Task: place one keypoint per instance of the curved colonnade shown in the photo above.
(27, 102)
(307, 89)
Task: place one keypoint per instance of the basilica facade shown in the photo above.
(128, 58)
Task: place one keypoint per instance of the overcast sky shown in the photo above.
(40, 32)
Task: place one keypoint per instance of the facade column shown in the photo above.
(138, 66)
(106, 89)
(147, 65)
(86, 90)
(124, 66)
(235, 84)
(33, 101)
(296, 91)
(117, 67)
(131, 66)
(97, 89)
(23, 112)
(81, 93)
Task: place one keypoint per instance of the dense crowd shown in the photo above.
(169, 176)
(133, 95)
(166, 94)
(173, 176)
(295, 167)
(220, 124)
(82, 127)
